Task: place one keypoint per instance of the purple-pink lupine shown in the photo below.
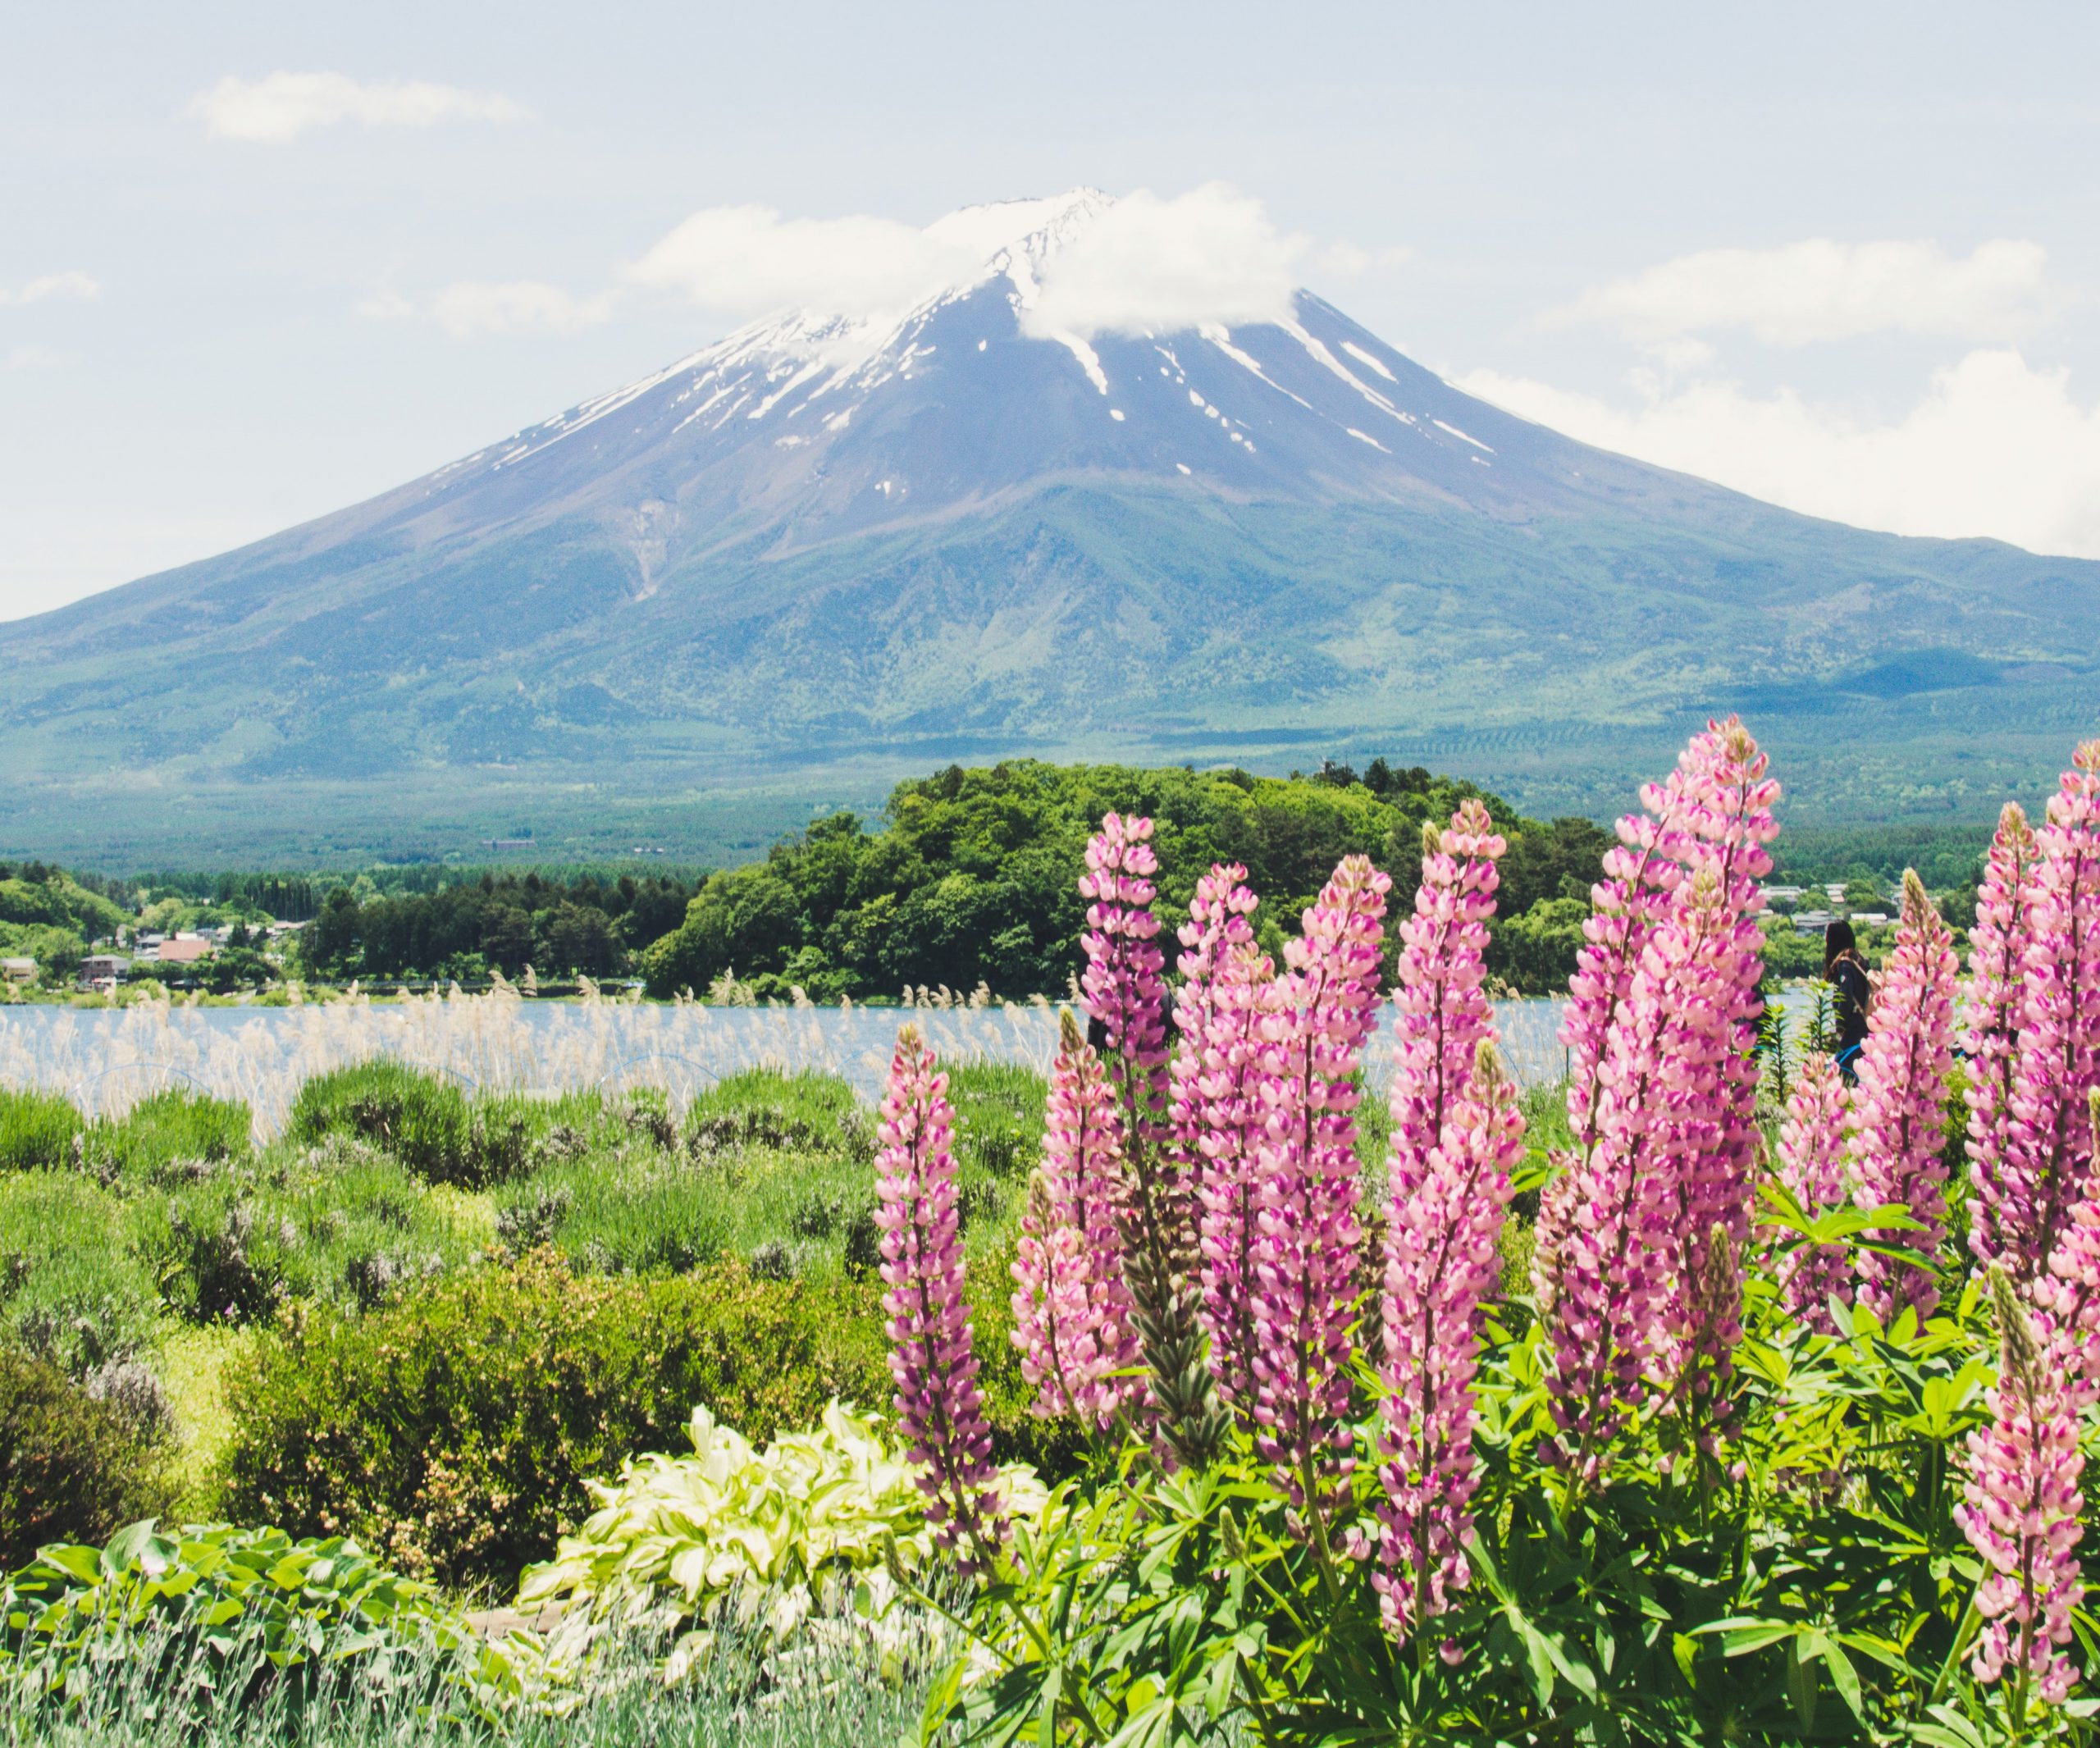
(2058, 1060)
(2019, 1510)
(1124, 984)
(1442, 1265)
(1714, 812)
(1440, 1010)
(1811, 1164)
(1722, 802)
(1308, 1241)
(938, 1405)
(1227, 986)
(1895, 1131)
(1071, 1308)
(1619, 1250)
(2002, 1217)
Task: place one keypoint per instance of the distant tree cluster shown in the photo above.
(972, 877)
(587, 923)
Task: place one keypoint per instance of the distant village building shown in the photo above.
(105, 968)
(18, 970)
(184, 949)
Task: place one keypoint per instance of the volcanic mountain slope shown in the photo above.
(831, 543)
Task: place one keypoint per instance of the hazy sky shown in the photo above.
(258, 262)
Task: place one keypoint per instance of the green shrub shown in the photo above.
(453, 1433)
(807, 1112)
(36, 1128)
(420, 1119)
(344, 1223)
(617, 1214)
(73, 1467)
(175, 1126)
(71, 1292)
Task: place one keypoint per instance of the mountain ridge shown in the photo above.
(819, 536)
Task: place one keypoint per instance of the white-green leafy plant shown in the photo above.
(802, 1533)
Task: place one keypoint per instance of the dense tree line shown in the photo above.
(971, 876)
(585, 924)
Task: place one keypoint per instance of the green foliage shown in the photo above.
(36, 1128)
(286, 1603)
(454, 1432)
(970, 880)
(71, 1291)
(49, 897)
(998, 1118)
(590, 924)
(177, 1127)
(1535, 949)
(420, 1119)
(73, 1466)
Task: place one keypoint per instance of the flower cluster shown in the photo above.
(1893, 1133)
(1637, 1263)
(1071, 1308)
(1306, 1240)
(1440, 1003)
(1811, 1164)
(2001, 1224)
(1442, 1266)
(938, 1404)
(1228, 988)
(1124, 984)
(2019, 1510)
(2057, 1059)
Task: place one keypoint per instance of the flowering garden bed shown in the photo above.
(1781, 1439)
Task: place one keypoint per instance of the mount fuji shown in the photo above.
(825, 550)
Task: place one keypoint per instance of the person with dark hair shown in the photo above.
(1846, 973)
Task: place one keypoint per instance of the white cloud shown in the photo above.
(1820, 290)
(31, 358)
(748, 261)
(472, 309)
(73, 284)
(281, 105)
(1993, 447)
(1160, 266)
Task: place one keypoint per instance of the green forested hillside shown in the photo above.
(971, 876)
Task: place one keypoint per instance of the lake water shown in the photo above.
(106, 1059)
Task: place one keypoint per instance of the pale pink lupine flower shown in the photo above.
(1227, 987)
(1896, 1128)
(1442, 1266)
(1723, 800)
(1071, 1308)
(2021, 1507)
(2002, 1221)
(939, 1406)
(2066, 1294)
(1713, 813)
(1307, 1243)
(1440, 1010)
(2058, 1053)
(1608, 1318)
(1811, 1164)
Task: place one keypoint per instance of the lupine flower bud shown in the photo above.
(1125, 993)
(1072, 1311)
(1440, 1011)
(2058, 1054)
(2003, 1222)
(1308, 1238)
(1227, 989)
(1442, 1265)
(2019, 1510)
(1811, 1164)
(1894, 1132)
(938, 1405)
